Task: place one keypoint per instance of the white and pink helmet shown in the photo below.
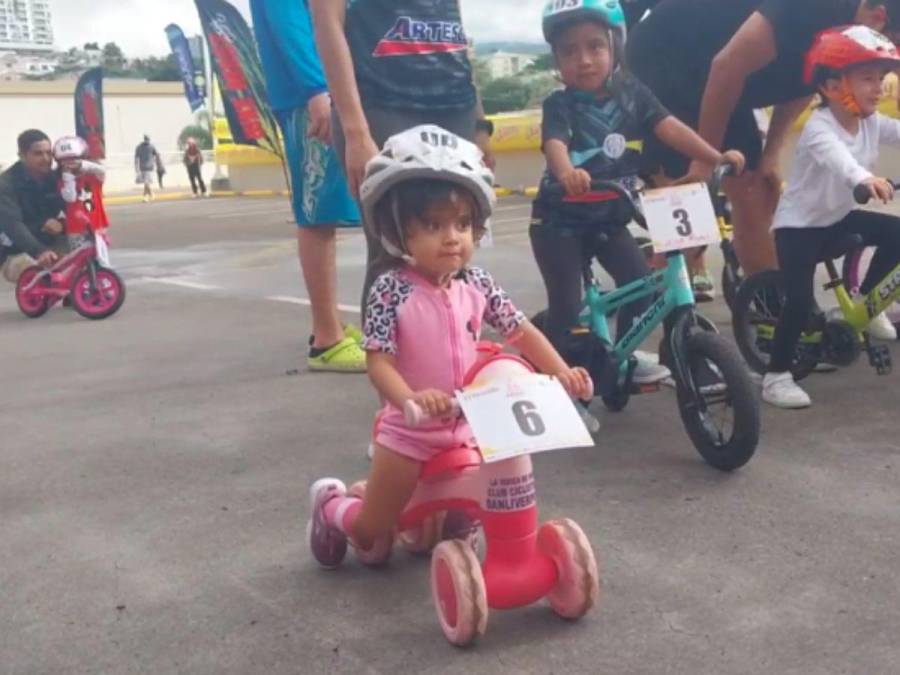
(425, 151)
(70, 147)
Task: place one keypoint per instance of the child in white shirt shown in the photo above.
(836, 152)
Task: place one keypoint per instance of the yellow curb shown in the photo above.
(113, 200)
(518, 192)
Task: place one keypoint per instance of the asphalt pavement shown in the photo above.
(154, 471)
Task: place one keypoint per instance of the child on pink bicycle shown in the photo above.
(81, 187)
(427, 196)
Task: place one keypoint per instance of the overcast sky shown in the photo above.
(137, 25)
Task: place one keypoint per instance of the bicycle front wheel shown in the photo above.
(717, 402)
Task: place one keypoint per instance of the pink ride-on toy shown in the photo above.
(523, 562)
(96, 291)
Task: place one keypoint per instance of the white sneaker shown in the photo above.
(195, 196)
(648, 369)
(893, 312)
(881, 328)
(780, 390)
(146, 199)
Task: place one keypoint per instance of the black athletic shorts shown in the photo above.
(679, 87)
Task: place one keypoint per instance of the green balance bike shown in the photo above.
(838, 339)
(716, 397)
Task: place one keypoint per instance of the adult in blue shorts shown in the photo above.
(321, 201)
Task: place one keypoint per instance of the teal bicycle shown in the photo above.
(716, 398)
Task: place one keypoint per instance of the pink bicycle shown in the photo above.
(523, 562)
(84, 276)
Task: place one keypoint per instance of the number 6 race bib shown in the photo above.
(521, 416)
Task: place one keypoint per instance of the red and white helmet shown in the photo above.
(70, 147)
(425, 151)
(838, 49)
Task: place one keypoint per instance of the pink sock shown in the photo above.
(342, 511)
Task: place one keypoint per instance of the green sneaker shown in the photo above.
(704, 290)
(352, 331)
(344, 357)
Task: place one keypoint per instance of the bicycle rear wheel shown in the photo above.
(754, 318)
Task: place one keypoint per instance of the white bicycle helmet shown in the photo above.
(70, 147)
(425, 151)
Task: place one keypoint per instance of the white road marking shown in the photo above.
(513, 207)
(195, 285)
(254, 212)
(501, 221)
(355, 309)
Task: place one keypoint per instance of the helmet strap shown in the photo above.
(847, 99)
(389, 246)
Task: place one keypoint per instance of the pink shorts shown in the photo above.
(422, 443)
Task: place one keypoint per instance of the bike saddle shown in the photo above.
(448, 462)
(840, 247)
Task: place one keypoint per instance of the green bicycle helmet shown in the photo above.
(559, 13)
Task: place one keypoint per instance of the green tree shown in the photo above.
(113, 57)
(480, 73)
(541, 86)
(199, 134)
(156, 69)
(505, 94)
(543, 63)
(91, 45)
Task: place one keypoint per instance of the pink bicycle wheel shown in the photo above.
(578, 586)
(459, 592)
(102, 300)
(31, 302)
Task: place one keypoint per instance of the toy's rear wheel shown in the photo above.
(31, 303)
(578, 586)
(459, 592)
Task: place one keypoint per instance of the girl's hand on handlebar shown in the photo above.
(734, 158)
(576, 182)
(434, 402)
(576, 382)
(879, 188)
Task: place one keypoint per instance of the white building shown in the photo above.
(506, 64)
(131, 109)
(15, 66)
(25, 25)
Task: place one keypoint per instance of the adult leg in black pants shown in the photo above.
(196, 178)
(558, 252)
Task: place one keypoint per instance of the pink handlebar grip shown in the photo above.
(590, 389)
(415, 416)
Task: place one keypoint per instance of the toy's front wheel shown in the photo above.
(458, 589)
(422, 538)
(100, 297)
(578, 586)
